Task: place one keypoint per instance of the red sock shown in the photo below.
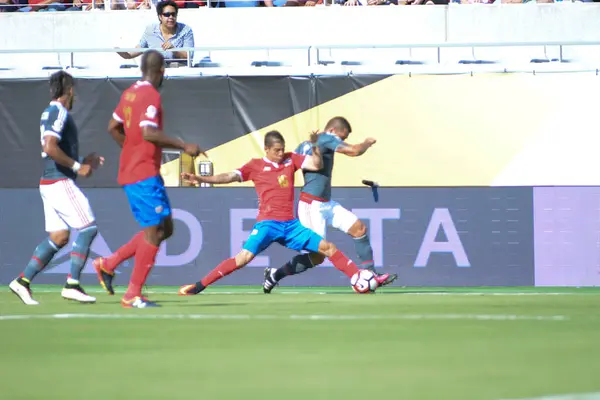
(123, 253)
(343, 263)
(145, 255)
(222, 270)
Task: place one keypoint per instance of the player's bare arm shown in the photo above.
(158, 137)
(52, 149)
(220, 179)
(356, 150)
(117, 131)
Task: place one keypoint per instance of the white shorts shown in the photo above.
(65, 206)
(317, 215)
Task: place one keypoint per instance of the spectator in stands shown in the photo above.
(44, 5)
(428, 2)
(237, 3)
(89, 5)
(368, 2)
(280, 3)
(135, 4)
(167, 34)
(190, 3)
(12, 5)
(294, 3)
(240, 3)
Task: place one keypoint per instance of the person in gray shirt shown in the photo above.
(166, 35)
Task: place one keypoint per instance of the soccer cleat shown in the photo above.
(138, 302)
(75, 292)
(385, 279)
(104, 277)
(190, 290)
(21, 288)
(269, 283)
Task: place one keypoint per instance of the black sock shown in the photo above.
(296, 265)
(365, 252)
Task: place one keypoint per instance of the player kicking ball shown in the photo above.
(65, 206)
(273, 178)
(316, 210)
(137, 126)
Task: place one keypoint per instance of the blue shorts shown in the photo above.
(148, 201)
(291, 234)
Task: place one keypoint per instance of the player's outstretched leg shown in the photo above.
(296, 265)
(222, 270)
(42, 255)
(106, 266)
(79, 255)
(264, 234)
(343, 263)
(362, 245)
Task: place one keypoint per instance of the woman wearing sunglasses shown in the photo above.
(167, 34)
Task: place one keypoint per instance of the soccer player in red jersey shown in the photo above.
(136, 126)
(273, 178)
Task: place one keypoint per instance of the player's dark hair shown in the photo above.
(161, 6)
(273, 137)
(60, 84)
(152, 62)
(339, 124)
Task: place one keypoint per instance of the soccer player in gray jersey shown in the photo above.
(316, 210)
(64, 204)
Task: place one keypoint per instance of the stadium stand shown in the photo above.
(254, 40)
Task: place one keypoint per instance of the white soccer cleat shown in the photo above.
(23, 292)
(76, 293)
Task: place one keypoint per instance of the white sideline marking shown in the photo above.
(570, 396)
(349, 292)
(481, 317)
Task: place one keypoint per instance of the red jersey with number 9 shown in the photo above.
(139, 106)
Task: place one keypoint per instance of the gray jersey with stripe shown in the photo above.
(57, 121)
(319, 183)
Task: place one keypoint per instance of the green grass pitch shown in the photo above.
(304, 343)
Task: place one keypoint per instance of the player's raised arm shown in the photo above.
(314, 161)
(355, 150)
(220, 179)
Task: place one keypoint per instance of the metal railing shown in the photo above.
(189, 50)
(472, 45)
(309, 49)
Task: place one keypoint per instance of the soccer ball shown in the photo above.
(364, 281)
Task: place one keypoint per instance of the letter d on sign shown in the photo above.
(194, 246)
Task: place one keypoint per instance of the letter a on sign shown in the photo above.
(441, 218)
